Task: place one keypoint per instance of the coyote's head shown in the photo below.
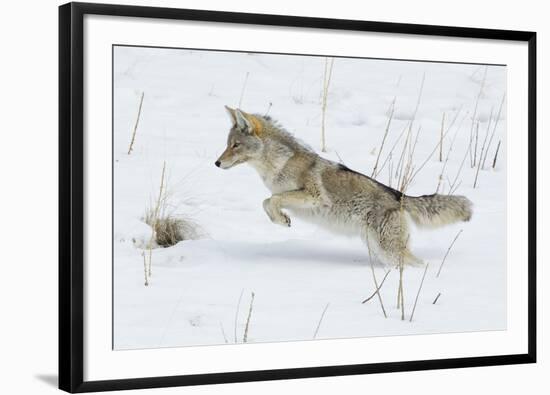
(244, 142)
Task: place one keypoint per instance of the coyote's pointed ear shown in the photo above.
(231, 113)
(242, 122)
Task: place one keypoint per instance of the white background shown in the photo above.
(29, 173)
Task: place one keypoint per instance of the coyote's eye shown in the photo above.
(235, 145)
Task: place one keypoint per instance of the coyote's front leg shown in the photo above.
(289, 200)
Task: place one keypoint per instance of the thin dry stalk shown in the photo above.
(409, 167)
(483, 147)
(243, 89)
(245, 335)
(390, 172)
(223, 333)
(377, 289)
(437, 146)
(398, 306)
(454, 119)
(237, 316)
(320, 321)
(390, 153)
(268, 108)
(401, 161)
(455, 188)
(482, 85)
(460, 168)
(441, 138)
(449, 154)
(326, 84)
(447, 253)
(494, 129)
(418, 293)
(145, 269)
(496, 155)
(339, 157)
(374, 278)
(386, 131)
(410, 133)
(419, 97)
(136, 124)
(436, 298)
(156, 216)
(400, 291)
(475, 146)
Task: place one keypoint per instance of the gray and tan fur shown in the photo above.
(328, 193)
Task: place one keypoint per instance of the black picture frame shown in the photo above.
(71, 195)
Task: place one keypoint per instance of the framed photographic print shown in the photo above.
(253, 197)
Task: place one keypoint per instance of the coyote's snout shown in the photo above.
(328, 193)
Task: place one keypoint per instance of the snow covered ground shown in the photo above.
(193, 295)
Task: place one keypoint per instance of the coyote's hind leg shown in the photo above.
(389, 238)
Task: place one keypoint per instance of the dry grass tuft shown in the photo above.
(170, 230)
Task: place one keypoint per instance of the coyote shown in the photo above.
(330, 194)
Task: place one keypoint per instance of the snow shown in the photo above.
(193, 295)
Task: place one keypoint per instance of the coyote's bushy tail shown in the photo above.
(437, 210)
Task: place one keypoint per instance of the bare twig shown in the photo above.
(455, 188)
(320, 321)
(156, 217)
(419, 97)
(243, 89)
(494, 129)
(461, 167)
(237, 316)
(390, 172)
(390, 117)
(378, 288)
(374, 278)
(437, 146)
(441, 138)
(482, 85)
(326, 84)
(136, 124)
(405, 182)
(418, 293)
(245, 335)
(339, 157)
(400, 167)
(398, 296)
(223, 333)
(391, 150)
(447, 253)
(449, 154)
(483, 147)
(268, 108)
(400, 292)
(400, 289)
(496, 155)
(401, 161)
(475, 146)
(145, 269)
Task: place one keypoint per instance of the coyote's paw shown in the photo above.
(279, 218)
(283, 220)
(276, 215)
